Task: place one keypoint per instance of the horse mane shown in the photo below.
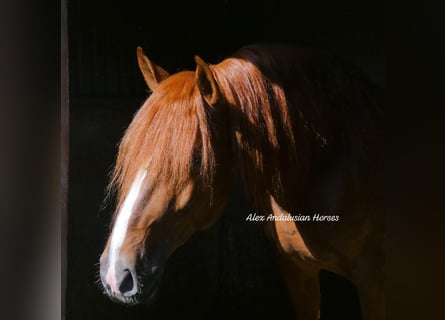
(168, 137)
(261, 124)
(271, 100)
(293, 112)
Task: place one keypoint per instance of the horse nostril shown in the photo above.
(127, 285)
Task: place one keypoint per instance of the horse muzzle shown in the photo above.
(126, 283)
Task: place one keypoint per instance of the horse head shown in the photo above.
(171, 178)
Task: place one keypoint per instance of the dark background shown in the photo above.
(228, 270)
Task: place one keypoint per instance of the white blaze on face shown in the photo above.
(120, 227)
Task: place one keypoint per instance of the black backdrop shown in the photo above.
(228, 270)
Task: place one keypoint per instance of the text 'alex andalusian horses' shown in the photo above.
(302, 130)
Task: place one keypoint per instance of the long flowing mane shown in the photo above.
(278, 110)
(287, 107)
(260, 122)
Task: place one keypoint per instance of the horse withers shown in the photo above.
(301, 128)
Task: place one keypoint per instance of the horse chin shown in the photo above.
(149, 288)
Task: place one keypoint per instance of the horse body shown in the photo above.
(334, 169)
(301, 127)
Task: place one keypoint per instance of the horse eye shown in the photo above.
(196, 161)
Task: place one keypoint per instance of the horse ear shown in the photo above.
(206, 82)
(153, 74)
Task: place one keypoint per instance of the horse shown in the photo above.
(300, 127)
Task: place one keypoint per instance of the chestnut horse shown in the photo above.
(301, 128)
